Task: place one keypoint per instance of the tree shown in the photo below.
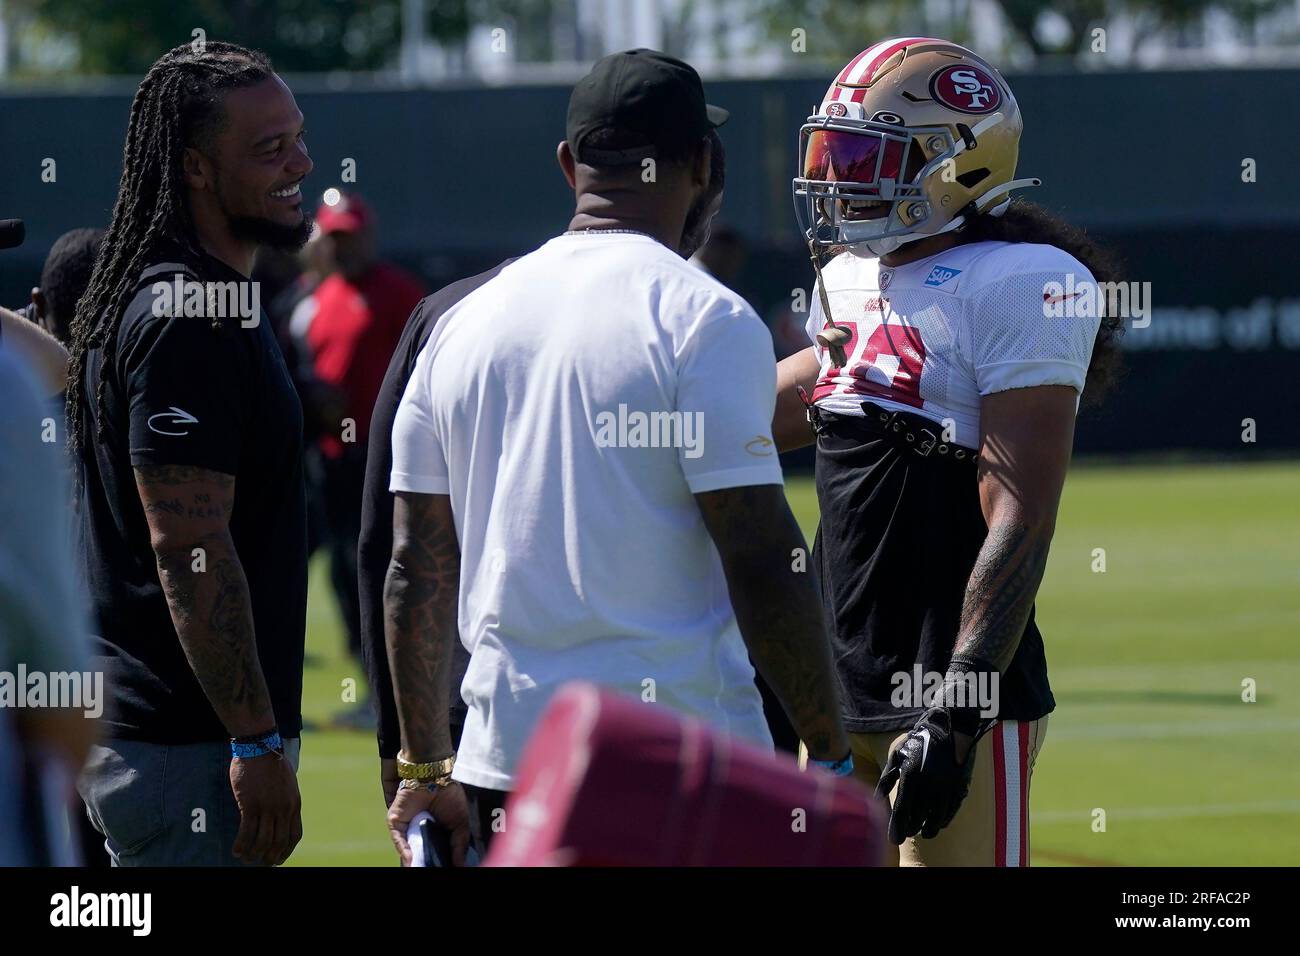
(1150, 17)
(126, 36)
(837, 30)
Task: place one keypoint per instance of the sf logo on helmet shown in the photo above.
(967, 89)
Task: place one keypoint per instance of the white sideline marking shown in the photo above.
(1163, 674)
(1184, 728)
(308, 847)
(1170, 813)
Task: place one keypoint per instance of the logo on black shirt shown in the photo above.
(175, 417)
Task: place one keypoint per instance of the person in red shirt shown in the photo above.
(360, 310)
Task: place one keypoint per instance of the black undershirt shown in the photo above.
(376, 544)
(897, 542)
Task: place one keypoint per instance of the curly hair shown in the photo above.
(1025, 221)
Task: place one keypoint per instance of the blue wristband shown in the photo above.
(259, 747)
(840, 768)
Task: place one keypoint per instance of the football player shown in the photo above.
(954, 331)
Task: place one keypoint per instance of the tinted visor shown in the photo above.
(834, 155)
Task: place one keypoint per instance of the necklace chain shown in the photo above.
(605, 232)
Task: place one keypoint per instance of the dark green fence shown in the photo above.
(1151, 162)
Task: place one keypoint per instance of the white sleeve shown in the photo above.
(419, 460)
(726, 381)
(1015, 343)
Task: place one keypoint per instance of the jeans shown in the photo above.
(165, 804)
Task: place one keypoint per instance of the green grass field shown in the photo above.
(1201, 592)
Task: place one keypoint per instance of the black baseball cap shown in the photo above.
(656, 98)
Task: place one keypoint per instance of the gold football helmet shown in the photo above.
(914, 136)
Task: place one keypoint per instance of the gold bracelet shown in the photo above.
(425, 772)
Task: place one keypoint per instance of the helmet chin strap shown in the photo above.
(884, 245)
(833, 338)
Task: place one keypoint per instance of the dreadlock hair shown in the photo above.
(178, 105)
(1025, 221)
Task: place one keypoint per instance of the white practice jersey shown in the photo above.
(932, 336)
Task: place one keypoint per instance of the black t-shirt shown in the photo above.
(376, 544)
(178, 391)
(897, 542)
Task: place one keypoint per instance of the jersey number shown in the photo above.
(889, 364)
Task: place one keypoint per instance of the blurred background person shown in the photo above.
(288, 280)
(64, 279)
(351, 324)
(720, 251)
(723, 255)
(42, 627)
(42, 352)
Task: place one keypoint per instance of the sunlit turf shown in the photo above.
(1200, 593)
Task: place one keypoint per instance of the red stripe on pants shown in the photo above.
(1024, 793)
(1000, 798)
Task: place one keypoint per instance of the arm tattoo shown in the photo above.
(1001, 593)
(778, 608)
(188, 509)
(164, 476)
(421, 593)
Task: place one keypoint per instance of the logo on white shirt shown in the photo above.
(940, 275)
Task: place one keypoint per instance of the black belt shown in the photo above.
(911, 432)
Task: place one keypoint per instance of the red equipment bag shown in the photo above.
(608, 780)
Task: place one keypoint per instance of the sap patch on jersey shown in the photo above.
(940, 276)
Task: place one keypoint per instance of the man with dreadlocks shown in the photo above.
(187, 441)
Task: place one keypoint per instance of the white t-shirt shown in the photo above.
(571, 407)
(933, 336)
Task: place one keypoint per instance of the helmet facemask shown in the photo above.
(845, 162)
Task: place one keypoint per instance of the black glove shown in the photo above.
(931, 782)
